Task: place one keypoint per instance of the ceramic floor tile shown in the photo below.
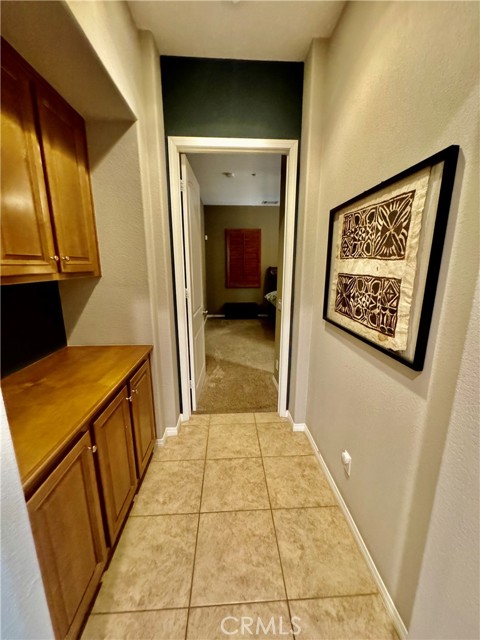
(232, 418)
(297, 481)
(253, 620)
(190, 444)
(237, 559)
(234, 484)
(170, 487)
(197, 419)
(348, 618)
(147, 625)
(278, 439)
(233, 441)
(268, 416)
(319, 555)
(152, 565)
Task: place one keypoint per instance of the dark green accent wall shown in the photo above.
(32, 324)
(232, 98)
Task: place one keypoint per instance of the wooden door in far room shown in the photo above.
(194, 272)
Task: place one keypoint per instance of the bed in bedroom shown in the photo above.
(271, 291)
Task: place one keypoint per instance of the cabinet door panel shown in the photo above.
(143, 416)
(113, 435)
(64, 148)
(27, 241)
(68, 532)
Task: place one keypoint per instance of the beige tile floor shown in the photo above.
(236, 533)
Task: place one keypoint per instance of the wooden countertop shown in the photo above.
(51, 401)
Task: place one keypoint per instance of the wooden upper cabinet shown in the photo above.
(65, 154)
(113, 436)
(143, 416)
(26, 241)
(68, 533)
(47, 217)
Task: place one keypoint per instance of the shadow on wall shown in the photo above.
(99, 149)
(114, 309)
(78, 293)
(440, 388)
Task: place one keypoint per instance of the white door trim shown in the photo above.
(289, 148)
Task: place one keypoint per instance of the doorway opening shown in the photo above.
(240, 243)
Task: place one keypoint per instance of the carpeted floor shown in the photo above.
(240, 358)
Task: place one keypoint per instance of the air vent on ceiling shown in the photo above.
(270, 202)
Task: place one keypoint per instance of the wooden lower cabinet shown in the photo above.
(68, 533)
(116, 461)
(78, 510)
(143, 416)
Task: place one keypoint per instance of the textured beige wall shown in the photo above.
(219, 218)
(133, 301)
(307, 222)
(447, 604)
(25, 612)
(113, 309)
(401, 83)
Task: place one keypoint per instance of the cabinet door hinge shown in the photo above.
(182, 185)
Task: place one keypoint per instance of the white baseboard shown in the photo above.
(400, 627)
(274, 380)
(216, 315)
(170, 431)
(296, 426)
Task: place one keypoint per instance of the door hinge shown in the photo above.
(191, 384)
(182, 185)
(187, 294)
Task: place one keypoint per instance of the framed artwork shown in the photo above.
(383, 258)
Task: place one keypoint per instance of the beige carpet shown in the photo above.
(240, 358)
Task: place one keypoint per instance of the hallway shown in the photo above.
(235, 524)
(240, 358)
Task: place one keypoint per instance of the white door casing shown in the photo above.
(195, 295)
(178, 145)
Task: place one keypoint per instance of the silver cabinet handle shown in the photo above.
(93, 449)
(66, 258)
(128, 398)
(134, 390)
(56, 258)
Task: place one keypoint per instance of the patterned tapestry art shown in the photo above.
(384, 255)
(375, 262)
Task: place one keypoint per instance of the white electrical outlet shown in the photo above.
(347, 462)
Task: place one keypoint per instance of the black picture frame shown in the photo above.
(445, 163)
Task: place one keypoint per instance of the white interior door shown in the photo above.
(196, 314)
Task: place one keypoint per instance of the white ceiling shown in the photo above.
(238, 29)
(243, 188)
